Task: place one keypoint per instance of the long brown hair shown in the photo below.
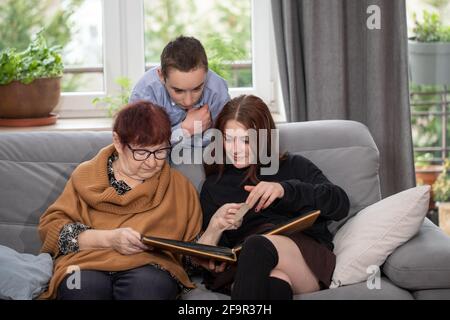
(253, 113)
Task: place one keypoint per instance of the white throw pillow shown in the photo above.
(375, 232)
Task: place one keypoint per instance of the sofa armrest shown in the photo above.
(423, 262)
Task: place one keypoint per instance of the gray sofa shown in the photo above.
(34, 168)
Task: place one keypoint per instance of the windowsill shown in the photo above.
(85, 124)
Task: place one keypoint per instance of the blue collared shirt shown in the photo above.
(150, 88)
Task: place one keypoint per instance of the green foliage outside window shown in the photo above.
(20, 19)
(426, 128)
(441, 188)
(226, 39)
(431, 29)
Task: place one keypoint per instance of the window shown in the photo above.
(429, 89)
(223, 26)
(107, 39)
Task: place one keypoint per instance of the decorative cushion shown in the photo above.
(23, 276)
(375, 232)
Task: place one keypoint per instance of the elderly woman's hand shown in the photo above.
(224, 218)
(209, 264)
(127, 241)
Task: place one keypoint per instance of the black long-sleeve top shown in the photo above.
(305, 188)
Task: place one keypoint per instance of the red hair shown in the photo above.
(142, 123)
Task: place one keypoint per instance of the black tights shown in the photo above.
(253, 281)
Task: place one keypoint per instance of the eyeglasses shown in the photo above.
(144, 154)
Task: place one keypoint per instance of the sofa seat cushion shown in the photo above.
(201, 293)
(23, 276)
(423, 262)
(360, 291)
(435, 294)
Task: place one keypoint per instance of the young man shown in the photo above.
(185, 88)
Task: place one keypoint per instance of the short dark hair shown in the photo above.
(183, 54)
(142, 123)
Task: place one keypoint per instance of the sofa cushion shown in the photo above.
(23, 276)
(374, 233)
(201, 293)
(360, 291)
(34, 168)
(423, 262)
(435, 294)
(346, 154)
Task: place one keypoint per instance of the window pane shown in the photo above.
(426, 116)
(223, 26)
(83, 55)
(76, 25)
(428, 29)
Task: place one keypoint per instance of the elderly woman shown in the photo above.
(127, 190)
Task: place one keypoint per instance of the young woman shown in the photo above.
(269, 267)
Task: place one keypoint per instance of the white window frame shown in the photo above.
(123, 55)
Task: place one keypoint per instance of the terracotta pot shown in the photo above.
(34, 100)
(428, 175)
(444, 217)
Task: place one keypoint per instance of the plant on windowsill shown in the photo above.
(30, 83)
(441, 190)
(429, 51)
(114, 102)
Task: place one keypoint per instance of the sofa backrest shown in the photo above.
(35, 166)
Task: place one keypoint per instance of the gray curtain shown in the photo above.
(333, 67)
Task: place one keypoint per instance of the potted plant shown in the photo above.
(441, 190)
(427, 173)
(30, 84)
(115, 102)
(429, 51)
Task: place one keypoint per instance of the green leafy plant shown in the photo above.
(37, 61)
(430, 29)
(441, 188)
(423, 160)
(426, 123)
(115, 102)
(221, 53)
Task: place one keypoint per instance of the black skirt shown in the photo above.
(319, 258)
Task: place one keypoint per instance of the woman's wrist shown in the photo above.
(211, 236)
(96, 239)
